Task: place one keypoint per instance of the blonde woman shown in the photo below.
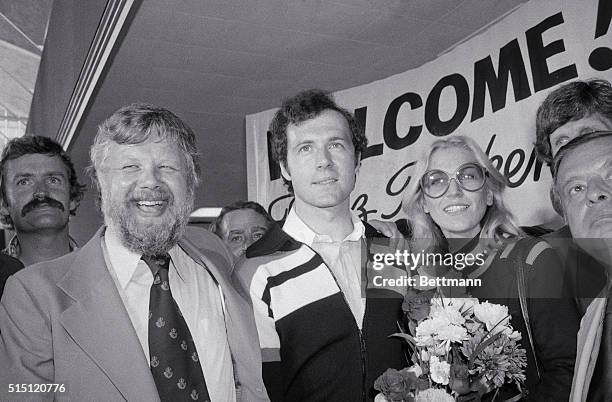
(455, 205)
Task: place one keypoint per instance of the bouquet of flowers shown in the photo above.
(460, 349)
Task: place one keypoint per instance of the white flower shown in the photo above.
(451, 315)
(380, 398)
(428, 328)
(424, 355)
(431, 326)
(515, 335)
(452, 333)
(439, 370)
(434, 395)
(500, 328)
(492, 314)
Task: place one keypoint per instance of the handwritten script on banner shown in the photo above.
(488, 88)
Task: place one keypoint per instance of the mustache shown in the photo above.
(38, 202)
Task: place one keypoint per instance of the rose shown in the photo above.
(417, 305)
(396, 386)
(439, 370)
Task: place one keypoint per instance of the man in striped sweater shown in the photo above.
(323, 331)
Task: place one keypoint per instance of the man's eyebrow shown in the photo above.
(51, 173)
(236, 231)
(23, 175)
(302, 142)
(570, 179)
(57, 173)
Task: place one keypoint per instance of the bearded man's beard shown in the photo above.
(149, 238)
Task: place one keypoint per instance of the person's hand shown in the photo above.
(388, 229)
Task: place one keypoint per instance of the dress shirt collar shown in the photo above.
(124, 261)
(295, 227)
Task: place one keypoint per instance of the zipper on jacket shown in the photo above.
(363, 352)
(360, 334)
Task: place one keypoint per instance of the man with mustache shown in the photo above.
(144, 310)
(39, 191)
(323, 332)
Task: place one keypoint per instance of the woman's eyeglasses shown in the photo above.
(470, 177)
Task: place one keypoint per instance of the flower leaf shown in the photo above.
(405, 337)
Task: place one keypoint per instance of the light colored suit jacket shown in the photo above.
(64, 322)
(589, 341)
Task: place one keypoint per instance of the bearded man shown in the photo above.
(144, 310)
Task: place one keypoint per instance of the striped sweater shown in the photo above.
(312, 348)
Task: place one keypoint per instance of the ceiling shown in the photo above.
(235, 57)
(23, 25)
(213, 62)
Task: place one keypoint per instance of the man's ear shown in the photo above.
(73, 204)
(490, 197)
(285, 171)
(556, 202)
(3, 205)
(5, 217)
(3, 208)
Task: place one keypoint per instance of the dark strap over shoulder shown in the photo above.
(521, 255)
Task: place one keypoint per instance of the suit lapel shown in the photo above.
(239, 319)
(99, 323)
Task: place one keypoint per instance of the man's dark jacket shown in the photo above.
(8, 266)
(320, 354)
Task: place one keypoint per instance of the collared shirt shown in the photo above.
(198, 297)
(14, 248)
(343, 258)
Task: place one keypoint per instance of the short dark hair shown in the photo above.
(572, 101)
(575, 142)
(307, 105)
(37, 144)
(217, 226)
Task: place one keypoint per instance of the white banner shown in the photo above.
(489, 88)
